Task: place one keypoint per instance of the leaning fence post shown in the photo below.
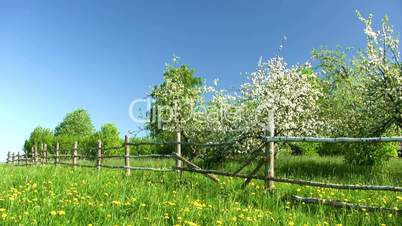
(8, 157)
(127, 155)
(178, 151)
(75, 154)
(45, 153)
(56, 160)
(99, 157)
(270, 154)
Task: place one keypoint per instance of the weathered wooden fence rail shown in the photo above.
(44, 157)
(332, 140)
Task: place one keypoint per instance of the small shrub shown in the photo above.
(371, 154)
(308, 149)
(332, 149)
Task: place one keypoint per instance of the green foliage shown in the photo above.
(371, 154)
(76, 126)
(76, 123)
(307, 149)
(180, 90)
(332, 149)
(109, 134)
(38, 137)
(148, 149)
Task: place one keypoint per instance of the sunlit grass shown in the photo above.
(48, 195)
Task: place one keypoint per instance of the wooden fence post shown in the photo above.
(13, 158)
(18, 158)
(26, 158)
(270, 154)
(178, 151)
(8, 157)
(99, 157)
(41, 153)
(32, 154)
(45, 153)
(75, 150)
(127, 155)
(35, 155)
(56, 160)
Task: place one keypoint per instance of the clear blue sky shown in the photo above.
(56, 56)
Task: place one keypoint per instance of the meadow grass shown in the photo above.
(49, 195)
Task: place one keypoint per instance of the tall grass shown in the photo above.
(48, 195)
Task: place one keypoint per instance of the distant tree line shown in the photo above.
(76, 126)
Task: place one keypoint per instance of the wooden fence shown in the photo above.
(267, 160)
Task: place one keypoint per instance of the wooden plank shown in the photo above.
(45, 153)
(332, 140)
(250, 176)
(300, 182)
(57, 160)
(178, 151)
(127, 155)
(211, 176)
(270, 154)
(338, 204)
(254, 155)
(75, 150)
(99, 156)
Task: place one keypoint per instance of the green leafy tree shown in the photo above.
(38, 137)
(109, 134)
(174, 102)
(76, 123)
(76, 126)
(363, 94)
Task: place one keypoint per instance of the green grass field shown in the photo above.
(48, 195)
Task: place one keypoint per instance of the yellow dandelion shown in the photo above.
(117, 203)
(53, 213)
(191, 223)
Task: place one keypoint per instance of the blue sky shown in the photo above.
(56, 56)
